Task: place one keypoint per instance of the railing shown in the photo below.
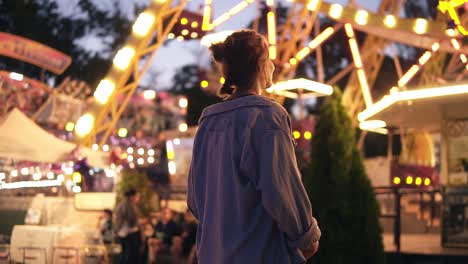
(397, 193)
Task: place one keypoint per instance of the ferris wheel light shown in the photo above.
(239, 7)
(463, 58)
(390, 21)
(302, 53)
(221, 19)
(313, 5)
(123, 57)
(420, 26)
(84, 125)
(272, 52)
(271, 28)
(425, 57)
(206, 26)
(408, 75)
(143, 24)
(362, 17)
(451, 32)
(320, 38)
(293, 61)
(336, 10)
(104, 91)
(455, 44)
(355, 52)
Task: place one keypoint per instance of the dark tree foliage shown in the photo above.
(43, 21)
(138, 180)
(340, 192)
(186, 82)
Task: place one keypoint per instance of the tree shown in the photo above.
(134, 179)
(43, 21)
(340, 192)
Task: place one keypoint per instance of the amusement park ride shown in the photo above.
(289, 44)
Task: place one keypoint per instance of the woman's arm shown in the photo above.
(283, 195)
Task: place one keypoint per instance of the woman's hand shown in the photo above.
(309, 252)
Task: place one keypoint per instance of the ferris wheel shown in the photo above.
(290, 42)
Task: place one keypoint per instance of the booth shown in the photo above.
(441, 110)
(22, 139)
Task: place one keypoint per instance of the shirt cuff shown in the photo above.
(311, 236)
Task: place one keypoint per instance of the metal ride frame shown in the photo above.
(288, 45)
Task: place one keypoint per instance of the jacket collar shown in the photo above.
(241, 102)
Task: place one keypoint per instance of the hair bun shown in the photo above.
(218, 51)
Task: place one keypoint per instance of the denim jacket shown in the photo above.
(245, 188)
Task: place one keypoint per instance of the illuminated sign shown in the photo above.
(33, 52)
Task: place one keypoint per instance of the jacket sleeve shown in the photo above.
(191, 194)
(282, 193)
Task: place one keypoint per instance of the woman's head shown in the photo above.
(244, 61)
(133, 195)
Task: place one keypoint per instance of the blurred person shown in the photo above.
(105, 226)
(147, 234)
(244, 185)
(167, 228)
(155, 218)
(127, 227)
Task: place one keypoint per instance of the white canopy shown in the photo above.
(22, 139)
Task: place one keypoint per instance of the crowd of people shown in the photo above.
(165, 237)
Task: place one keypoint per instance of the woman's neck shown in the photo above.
(242, 93)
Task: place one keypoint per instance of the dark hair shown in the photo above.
(130, 193)
(240, 56)
(108, 212)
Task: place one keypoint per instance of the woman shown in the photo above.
(244, 185)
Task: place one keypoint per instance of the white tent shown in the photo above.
(22, 139)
